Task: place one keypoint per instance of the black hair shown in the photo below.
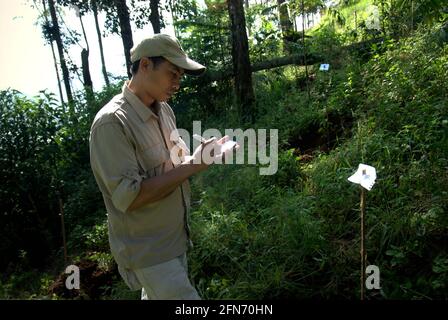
(155, 60)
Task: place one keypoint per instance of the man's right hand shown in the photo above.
(203, 152)
(156, 188)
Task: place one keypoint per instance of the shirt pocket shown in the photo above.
(154, 159)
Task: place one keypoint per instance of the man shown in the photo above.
(146, 195)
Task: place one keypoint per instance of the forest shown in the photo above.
(344, 82)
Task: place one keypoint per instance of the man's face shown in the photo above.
(163, 81)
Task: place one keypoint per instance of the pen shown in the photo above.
(198, 137)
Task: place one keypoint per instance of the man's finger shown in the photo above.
(224, 139)
(208, 141)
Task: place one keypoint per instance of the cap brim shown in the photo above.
(191, 67)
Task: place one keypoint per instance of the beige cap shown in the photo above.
(168, 47)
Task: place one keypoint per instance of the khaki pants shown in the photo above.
(167, 281)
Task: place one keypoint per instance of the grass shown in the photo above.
(296, 234)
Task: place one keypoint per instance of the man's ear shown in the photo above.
(145, 63)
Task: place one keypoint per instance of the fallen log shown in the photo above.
(296, 59)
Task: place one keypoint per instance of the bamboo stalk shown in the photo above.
(362, 251)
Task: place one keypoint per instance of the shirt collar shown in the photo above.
(142, 110)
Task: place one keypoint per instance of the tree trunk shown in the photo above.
(285, 24)
(154, 17)
(296, 59)
(249, 25)
(84, 32)
(244, 91)
(304, 49)
(294, 22)
(85, 70)
(57, 37)
(126, 31)
(54, 55)
(87, 80)
(57, 73)
(100, 41)
(173, 16)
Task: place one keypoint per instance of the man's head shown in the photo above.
(158, 64)
(158, 77)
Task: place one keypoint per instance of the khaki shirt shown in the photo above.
(128, 143)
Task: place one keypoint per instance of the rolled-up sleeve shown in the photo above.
(114, 165)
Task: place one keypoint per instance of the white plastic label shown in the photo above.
(365, 176)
